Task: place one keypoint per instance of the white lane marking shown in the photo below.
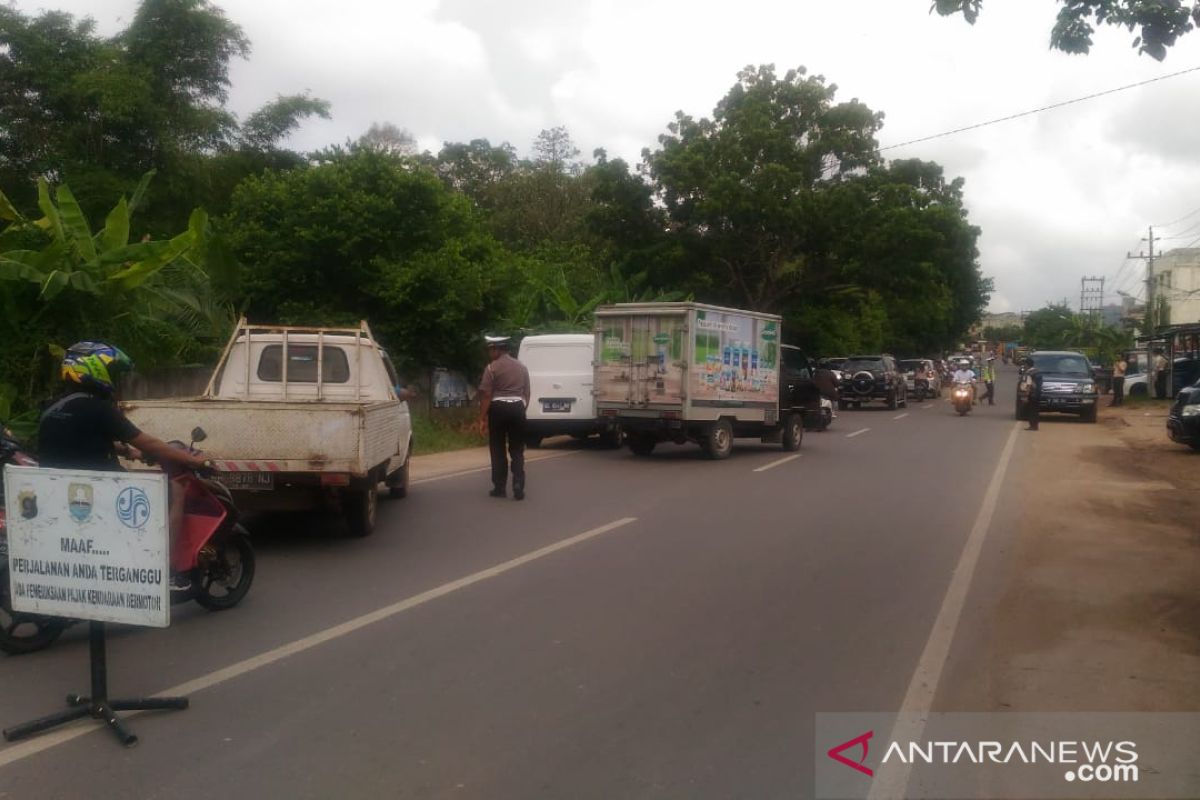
(33, 747)
(485, 469)
(774, 464)
(891, 781)
(901, 416)
(857, 433)
(927, 405)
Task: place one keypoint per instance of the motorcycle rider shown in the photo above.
(964, 374)
(84, 428)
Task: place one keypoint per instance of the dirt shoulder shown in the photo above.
(1097, 602)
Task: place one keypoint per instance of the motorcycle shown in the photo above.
(963, 397)
(212, 560)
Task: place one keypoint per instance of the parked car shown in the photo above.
(1068, 385)
(933, 385)
(1183, 421)
(1187, 372)
(872, 377)
(298, 418)
(561, 400)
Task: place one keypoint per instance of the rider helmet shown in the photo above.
(96, 366)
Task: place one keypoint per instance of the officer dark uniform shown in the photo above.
(1035, 397)
(503, 397)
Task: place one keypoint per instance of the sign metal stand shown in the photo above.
(98, 705)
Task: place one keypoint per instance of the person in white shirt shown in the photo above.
(965, 375)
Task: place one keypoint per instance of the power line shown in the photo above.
(1181, 219)
(1050, 107)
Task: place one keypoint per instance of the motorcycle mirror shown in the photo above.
(198, 434)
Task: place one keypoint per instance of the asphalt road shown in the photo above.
(680, 652)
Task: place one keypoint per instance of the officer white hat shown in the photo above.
(497, 341)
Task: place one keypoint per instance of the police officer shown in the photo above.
(1035, 397)
(989, 381)
(503, 397)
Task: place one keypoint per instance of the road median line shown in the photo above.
(901, 416)
(857, 433)
(18, 752)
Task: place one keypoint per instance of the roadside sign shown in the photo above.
(89, 545)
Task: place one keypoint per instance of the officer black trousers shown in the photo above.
(506, 427)
(1035, 413)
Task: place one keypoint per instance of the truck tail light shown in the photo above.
(672, 415)
(335, 479)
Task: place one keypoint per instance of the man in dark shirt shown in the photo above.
(85, 429)
(503, 396)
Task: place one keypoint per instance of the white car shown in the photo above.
(909, 368)
(561, 400)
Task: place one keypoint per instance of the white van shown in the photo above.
(561, 400)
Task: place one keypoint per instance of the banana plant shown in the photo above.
(101, 264)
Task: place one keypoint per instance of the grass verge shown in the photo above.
(445, 429)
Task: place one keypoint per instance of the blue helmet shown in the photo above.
(95, 365)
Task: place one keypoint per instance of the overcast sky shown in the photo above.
(1057, 195)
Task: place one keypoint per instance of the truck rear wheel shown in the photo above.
(718, 440)
(793, 432)
(361, 507)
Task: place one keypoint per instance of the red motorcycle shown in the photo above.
(212, 560)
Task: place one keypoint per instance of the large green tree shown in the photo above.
(780, 202)
(365, 233)
(98, 112)
(741, 188)
(1158, 23)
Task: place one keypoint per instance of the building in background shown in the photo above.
(1177, 284)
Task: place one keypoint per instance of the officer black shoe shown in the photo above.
(519, 494)
(497, 493)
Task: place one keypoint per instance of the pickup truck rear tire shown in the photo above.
(361, 507)
(793, 432)
(397, 482)
(718, 440)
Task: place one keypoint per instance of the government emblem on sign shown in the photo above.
(79, 501)
(133, 507)
(27, 500)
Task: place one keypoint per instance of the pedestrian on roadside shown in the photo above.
(1118, 380)
(503, 398)
(1160, 375)
(989, 380)
(1034, 378)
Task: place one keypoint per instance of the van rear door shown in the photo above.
(560, 378)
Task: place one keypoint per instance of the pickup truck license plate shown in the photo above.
(556, 406)
(247, 481)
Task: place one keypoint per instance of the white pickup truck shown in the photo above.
(298, 418)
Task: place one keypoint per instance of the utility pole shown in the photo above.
(1151, 311)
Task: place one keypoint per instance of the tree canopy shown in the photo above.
(1158, 23)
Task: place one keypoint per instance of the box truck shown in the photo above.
(690, 372)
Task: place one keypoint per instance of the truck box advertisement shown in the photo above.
(735, 359)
